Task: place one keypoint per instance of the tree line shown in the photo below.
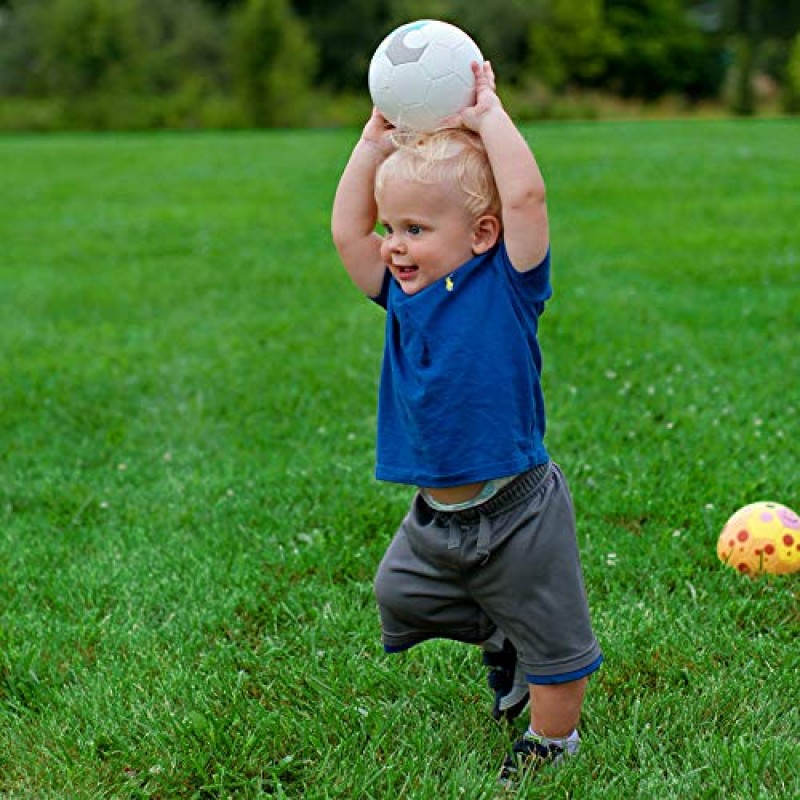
(236, 63)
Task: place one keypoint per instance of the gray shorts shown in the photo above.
(511, 563)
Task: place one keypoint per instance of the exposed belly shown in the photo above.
(456, 494)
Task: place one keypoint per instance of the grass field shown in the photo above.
(189, 524)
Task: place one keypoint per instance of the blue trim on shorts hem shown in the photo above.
(565, 677)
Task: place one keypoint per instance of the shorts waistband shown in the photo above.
(509, 496)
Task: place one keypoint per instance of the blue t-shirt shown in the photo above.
(460, 397)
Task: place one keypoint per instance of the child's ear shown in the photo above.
(485, 233)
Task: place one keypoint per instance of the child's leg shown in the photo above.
(553, 735)
(556, 708)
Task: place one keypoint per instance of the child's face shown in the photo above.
(427, 231)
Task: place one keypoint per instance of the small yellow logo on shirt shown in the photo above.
(448, 284)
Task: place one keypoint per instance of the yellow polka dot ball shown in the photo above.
(761, 537)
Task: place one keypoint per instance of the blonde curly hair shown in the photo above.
(448, 155)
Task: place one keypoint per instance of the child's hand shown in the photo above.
(378, 132)
(486, 100)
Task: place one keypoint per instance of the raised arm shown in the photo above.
(519, 181)
(355, 212)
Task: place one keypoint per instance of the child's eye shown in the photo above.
(414, 230)
(386, 228)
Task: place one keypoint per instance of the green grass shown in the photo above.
(189, 526)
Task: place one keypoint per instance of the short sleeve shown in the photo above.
(382, 298)
(534, 284)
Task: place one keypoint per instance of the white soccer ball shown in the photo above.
(421, 73)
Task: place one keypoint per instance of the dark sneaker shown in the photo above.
(511, 694)
(530, 753)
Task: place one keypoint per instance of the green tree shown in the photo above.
(187, 45)
(82, 47)
(792, 94)
(346, 34)
(91, 46)
(570, 43)
(20, 70)
(109, 64)
(659, 50)
(745, 20)
(761, 34)
(273, 62)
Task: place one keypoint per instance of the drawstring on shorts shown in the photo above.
(507, 497)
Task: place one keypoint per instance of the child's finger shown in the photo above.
(489, 73)
(484, 75)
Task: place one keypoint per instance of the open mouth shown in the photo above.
(404, 272)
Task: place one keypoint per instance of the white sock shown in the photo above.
(569, 744)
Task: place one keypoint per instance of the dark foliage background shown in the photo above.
(244, 63)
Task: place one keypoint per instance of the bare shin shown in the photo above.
(556, 708)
